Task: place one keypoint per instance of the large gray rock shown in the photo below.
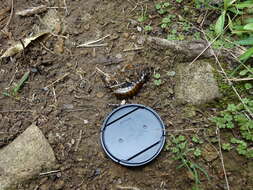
(24, 158)
(195, 83)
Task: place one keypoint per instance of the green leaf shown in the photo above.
(142, 18)
(245, 42)
(181, 138)
(161, 11)
(245, 4)
(166, 20)
(148, 28)
(157, 76)
(163, 25)
(248, 86)
(232, 108)
(182, 145)
(246, 55)
(248, 27)
(158, 6)
(226, 146)
(196, 140)
(158, 82)
(230, 125)
(21, 83)
(228, 3)
(219, 26)
(166, 4)
(243, 72)
(174, 149)
(197, 152)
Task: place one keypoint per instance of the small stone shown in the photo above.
(85, 121)
(69, 64)
(171, 73)
(45, 89)
(72, 141)
(68, 106)
(97, 172)
(139, 29)
(86, 27)
(209, 153)
(59, 184)
(133, 37)
(30, 153)
(45, 186)
(34, 70)
(190, 175)
(123, 102)
(125, 35)
(114, 36)
(119, 56)
(170, 91)
(141, 40)
(100, 94)
(59, 174)
(195, 83)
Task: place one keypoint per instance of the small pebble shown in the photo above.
(126, 35)
(141, 40)
(123, 102)
(100, 94)
(119, 56)
(85, 121)
(87, 27)
(139, 29)
(34, 70)
(68, 106)
(45, 89)
(171, 73)
(59, 185)
(97, 172)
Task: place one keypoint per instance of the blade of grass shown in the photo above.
(21, 83)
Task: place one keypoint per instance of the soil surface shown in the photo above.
(66, 98)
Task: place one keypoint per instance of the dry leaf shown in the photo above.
(18, 47)
(32, 11)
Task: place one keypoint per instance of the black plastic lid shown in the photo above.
(133, 135)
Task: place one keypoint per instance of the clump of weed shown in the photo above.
(236, 118)
(183, 153)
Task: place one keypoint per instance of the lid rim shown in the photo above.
(159, 143)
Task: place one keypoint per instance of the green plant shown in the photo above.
(166, 21)
(226, 146)
(148, 28)
(18, 86)
(241, 24)
(180, 148)
(162, 7)
(236, 117)
(157, 80)
(143, 17)
(197, 140)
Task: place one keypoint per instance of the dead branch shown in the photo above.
(191, 49)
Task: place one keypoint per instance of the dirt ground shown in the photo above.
(65, 97)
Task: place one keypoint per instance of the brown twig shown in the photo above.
(9, 20)
(133, 49)
(222, 159)
(240, 79)
(49, 172)
(66, 8)
(59, 79)
(78, 140)
(9, 111)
